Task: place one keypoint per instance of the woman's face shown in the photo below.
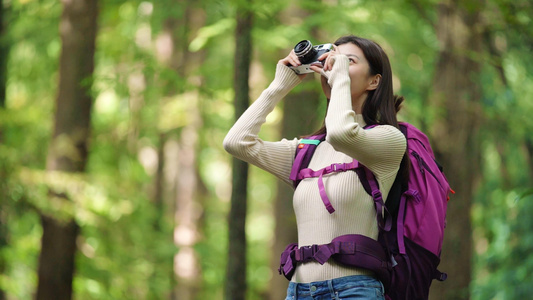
(360, 79)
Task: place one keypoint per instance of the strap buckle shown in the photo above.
(338, 167)
(305, 253)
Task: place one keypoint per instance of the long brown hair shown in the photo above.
(381, 105)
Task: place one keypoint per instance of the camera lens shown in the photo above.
(305, 51)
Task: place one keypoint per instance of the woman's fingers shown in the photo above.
(316, 68)
(329, 58)
(323, 56)
(291, 60)
(294, 61)
(327, 62)
(294, 58)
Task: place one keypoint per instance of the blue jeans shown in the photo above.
(349, 287)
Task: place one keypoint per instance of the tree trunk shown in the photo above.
(68, 149)
(235, 285)
(456, 97)
(158, 198)
(187, 188)
(4, 52)
(56, 261)
(528, 149)
(187, 215)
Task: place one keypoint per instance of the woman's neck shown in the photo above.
(360, 120)
(357, 103)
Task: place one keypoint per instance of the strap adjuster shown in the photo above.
(338, 167)
(376, 195)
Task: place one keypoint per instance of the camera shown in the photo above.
(308, 55)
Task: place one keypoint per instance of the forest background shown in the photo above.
(114, 183)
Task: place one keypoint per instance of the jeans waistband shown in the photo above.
(332, 286)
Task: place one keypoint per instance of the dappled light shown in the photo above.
(112, 166)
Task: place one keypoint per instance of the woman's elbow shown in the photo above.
(235, 146)
(228, 145)
(337, 138)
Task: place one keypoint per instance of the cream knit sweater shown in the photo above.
(380, 149)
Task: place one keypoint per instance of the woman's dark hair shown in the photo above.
(381, 105)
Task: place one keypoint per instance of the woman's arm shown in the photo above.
(380, 148)
(242, 140)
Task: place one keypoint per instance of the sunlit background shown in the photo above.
(152, 204)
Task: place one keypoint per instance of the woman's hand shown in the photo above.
(329, 59)
(292, 60)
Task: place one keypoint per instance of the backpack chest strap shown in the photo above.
(340, 167)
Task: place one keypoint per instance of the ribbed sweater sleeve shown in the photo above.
(380, 148)
(243, 142)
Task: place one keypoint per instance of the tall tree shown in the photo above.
(4, 51)
(180, 26)
(235, 285)
(456, 97)
(68, 150)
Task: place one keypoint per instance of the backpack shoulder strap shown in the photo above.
(303, 155)
(400, 183)
(369, 182)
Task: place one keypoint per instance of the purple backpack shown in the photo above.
(411, 224)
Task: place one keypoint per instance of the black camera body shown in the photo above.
(308, 55)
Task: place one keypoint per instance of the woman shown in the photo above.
(357, 81)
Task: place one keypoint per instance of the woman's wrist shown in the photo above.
(285, 79)
(339, 70)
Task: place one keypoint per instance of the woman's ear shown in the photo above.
(374, 82)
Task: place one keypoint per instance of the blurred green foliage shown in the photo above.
(126, 249)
